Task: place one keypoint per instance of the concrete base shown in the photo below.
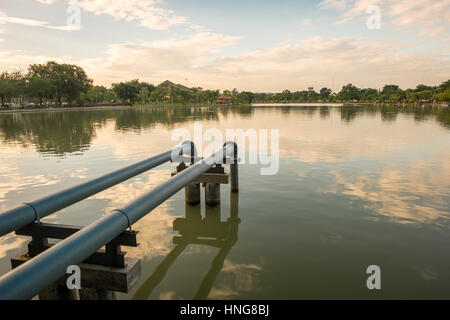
(97, 282)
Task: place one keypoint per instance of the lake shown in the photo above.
(357, 186)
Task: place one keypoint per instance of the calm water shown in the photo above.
(357, 186)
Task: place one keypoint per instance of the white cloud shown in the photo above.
(388, 195)
(413, 12)
(434, 31)
(159, 60)
(333, 4)
(358, 8)
(147, 13)
(431, 15)
(19, 60)
(47, 1)
(33, 23)
(311, 62)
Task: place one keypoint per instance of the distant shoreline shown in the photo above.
(259, 104)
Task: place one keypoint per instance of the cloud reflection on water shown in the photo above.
(395, 161)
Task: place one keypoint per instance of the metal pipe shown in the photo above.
(140, 207)
(34, 211)
(35, 275)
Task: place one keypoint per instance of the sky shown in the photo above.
(258, 45)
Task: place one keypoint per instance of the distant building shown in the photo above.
(223, 99)
(170, 84)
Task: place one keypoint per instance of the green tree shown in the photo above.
(392, 93)
(349, 92)
(40, 88)
(147, 86)
(160, 94)
(368, 94)
(286, 95)
(445, 85)
(127, 91)
(246, 97)
(11, 86)
(144, 95)
(69, 81)
(422, 87)
(212, 95)
(325, 93)
(110, 96)
(445, 96)
(96, 94)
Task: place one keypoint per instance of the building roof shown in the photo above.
(168, 83)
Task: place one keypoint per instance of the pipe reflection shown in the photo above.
(194, 229)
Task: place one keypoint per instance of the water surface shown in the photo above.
(357, 186)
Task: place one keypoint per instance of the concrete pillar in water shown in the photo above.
(212, 194)
(192, 193)
(97, 294)
(234, 173)
(58, 292)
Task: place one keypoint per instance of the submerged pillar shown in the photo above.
(212, 194)
(234, 177)
(192, 193)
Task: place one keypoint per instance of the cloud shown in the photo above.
(333, 4)
(237, 279)
(389, 194)
(34, 23)
(147, 13)
(311, 62)
(19, 60)
(295, 66)
(411, 12)
(435, 31)
(175, 59)
(432, 15)
(358, 9)
(11, 242)
(315, 60)
(306, 22)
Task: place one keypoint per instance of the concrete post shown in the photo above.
(234, 178)
(58, 292)
(212, 194)
(192, 193)
(97, 294)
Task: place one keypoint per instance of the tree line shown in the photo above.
(44, 82)
(59, 84)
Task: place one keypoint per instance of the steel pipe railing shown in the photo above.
(35, 275)
(34, 211)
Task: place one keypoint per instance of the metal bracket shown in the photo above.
(111, 256)
(214, 175)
